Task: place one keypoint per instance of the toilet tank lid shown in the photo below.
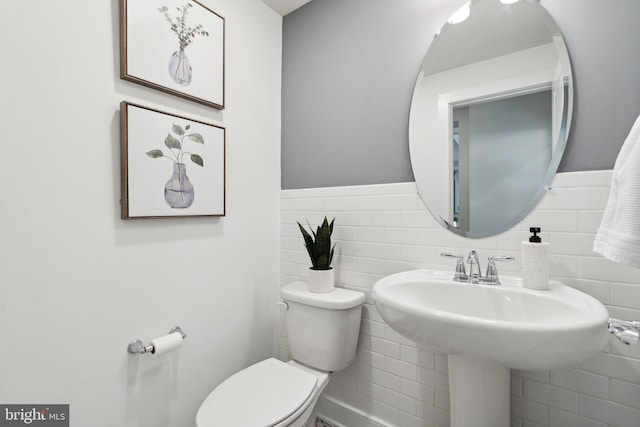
(338, 299)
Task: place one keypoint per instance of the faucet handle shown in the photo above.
(491, 277)
(460, 274)
(504, 258)
(448, 255)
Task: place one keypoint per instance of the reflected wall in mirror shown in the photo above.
(490, 115)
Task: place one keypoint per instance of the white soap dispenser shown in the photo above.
(535, 262)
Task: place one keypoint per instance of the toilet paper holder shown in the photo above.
(137, 347)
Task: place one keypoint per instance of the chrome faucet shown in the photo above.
(475, 275)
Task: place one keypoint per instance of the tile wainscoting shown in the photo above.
(384, 229)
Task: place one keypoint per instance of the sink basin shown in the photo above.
(487, 330)
(517, 327)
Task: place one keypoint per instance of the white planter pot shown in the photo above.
(321, 280)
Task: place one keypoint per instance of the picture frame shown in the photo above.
(171, 166)
(175, 46)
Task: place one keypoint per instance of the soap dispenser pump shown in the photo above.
(535, 261)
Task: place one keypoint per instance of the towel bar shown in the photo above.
(627, 331)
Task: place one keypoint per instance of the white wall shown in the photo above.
(76, 282)
(384, 229)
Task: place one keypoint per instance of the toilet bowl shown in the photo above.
(270, 393)
(322, 330)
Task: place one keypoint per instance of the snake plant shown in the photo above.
(319, 246)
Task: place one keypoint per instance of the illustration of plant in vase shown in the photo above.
(179, 193)
(179, 65)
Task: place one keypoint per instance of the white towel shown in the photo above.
(618, 237)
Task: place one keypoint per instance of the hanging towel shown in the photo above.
(618, 237)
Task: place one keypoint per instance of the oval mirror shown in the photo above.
(490, 115)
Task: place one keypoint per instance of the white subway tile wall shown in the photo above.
(384, 229)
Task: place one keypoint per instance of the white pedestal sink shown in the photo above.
(488, 330)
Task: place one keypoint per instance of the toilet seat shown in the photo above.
(265, 394)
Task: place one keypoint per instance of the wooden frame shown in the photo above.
(150, 30)
(171, 166)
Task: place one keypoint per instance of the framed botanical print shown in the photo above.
(171, 166)
(176, 46)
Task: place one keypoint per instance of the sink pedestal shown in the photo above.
(479, 393)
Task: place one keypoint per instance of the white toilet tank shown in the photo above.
(322, 328)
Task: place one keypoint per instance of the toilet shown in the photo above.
(322, 330)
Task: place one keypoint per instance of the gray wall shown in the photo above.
(349, 67)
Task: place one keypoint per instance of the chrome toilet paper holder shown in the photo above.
(137, 346)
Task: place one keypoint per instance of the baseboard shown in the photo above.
(340, 414)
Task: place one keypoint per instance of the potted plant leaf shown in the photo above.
(320, 250)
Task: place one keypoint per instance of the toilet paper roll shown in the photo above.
(166, 343)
